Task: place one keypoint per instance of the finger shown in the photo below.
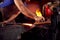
(43, 18)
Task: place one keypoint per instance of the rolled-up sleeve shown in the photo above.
(6, 3)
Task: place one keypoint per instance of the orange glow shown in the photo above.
(38, 13)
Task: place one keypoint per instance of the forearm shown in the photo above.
(24, 10)
(12, 17)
